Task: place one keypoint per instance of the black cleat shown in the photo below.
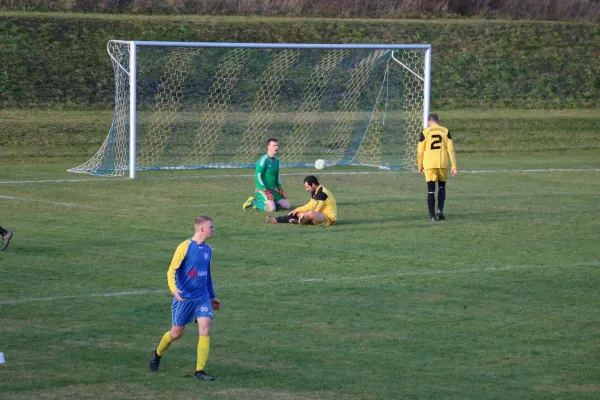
(6, 239)
(155, 362)
(203, 376)
(293, 221)
(440, 215)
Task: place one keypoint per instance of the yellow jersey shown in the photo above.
(435, 147)
(321, 201)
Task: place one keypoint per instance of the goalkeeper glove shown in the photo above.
(269, 194)
(282, 193)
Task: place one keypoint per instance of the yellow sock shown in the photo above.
(164, 344)
(203, 346)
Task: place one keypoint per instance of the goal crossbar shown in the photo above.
(277, 45)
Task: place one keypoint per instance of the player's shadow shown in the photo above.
(378, 221)
(489, 215)
(390, 219)
(392, 200)
(383, 216)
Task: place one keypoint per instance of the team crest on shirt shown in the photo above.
(206, 255)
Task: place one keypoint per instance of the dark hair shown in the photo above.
(434, 117)
(271, 140)
(311, 180)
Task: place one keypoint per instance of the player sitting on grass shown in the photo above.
(320, 210)
(269, 192)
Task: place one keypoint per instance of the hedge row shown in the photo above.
(60, 60)
(528, 9)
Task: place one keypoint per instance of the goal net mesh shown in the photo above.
(215, 107)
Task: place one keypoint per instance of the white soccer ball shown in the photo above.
(320, 164)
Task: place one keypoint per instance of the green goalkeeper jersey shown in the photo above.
(267, 173)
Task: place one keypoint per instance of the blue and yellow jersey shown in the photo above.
(190, 271)
(266, 174)
(321, 201)
(435, 147)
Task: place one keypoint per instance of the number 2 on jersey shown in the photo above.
(435, 145)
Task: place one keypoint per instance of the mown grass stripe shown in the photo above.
(330, 279)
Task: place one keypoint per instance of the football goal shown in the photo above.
(182, 105)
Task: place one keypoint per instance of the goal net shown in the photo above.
(214, 105)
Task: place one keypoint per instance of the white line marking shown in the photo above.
(303, 280)
(486, 171)
(483, 171)
(56, 181)
(56, 203)
(117, 294)
(122, 179)
(112, 208)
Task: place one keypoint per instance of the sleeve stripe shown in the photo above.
(262, 160)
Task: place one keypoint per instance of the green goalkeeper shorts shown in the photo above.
(260, 196)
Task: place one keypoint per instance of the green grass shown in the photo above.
(503, 137)
(497, 302)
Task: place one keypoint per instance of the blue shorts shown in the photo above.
(189, 310)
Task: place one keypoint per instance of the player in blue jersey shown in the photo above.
(6, 236)
(194, 297)
(268, 189)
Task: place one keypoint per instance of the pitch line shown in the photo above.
(56, 203)
(123, 179)
(482, 171)
(65, 204)
(91, 295)
(55, 181)
(301, 281)
(487, 171)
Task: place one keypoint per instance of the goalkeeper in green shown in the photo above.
(269, 195)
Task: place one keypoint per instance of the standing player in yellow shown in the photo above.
(320, 210)
(435, 146)
(194, 298)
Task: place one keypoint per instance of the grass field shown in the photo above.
(500, 301)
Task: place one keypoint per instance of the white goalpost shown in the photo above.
(182, 105)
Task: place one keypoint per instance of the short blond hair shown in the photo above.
(202, 219)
